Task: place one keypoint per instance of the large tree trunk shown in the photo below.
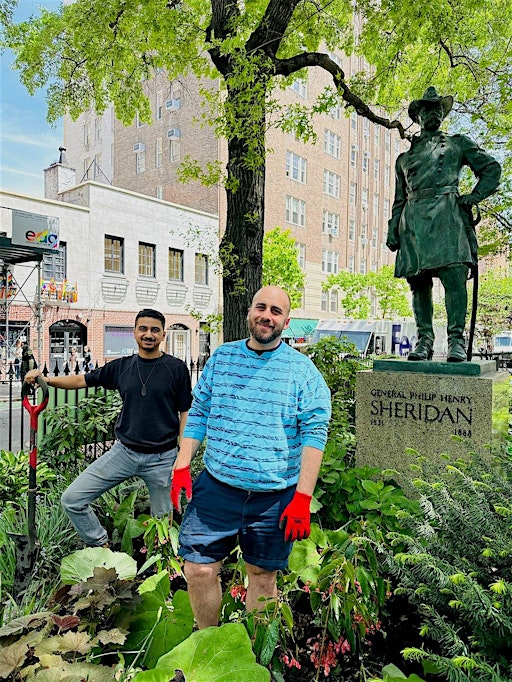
(242, 243)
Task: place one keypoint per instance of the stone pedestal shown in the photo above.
(433, 407)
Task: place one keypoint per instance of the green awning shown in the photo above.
(300, 328)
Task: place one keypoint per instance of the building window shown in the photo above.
(138, 122)
(87, 166)
(333, 301)
(363, 230)
(374, 266)
(362, 266)
(335, 112)
(332, 144)
(300, 87)
(366, 127)
(374, 238)
(159, 192)
(332, 184)
(175, 90)
(353, 193)
(331, 223)
(376, 136)
(140, 162)
(386, 209)
(301, 255)
(350, 265)
(353, 156)
(159, 106)
(376, 170)
(388, 141)
(353, 120)
(158, 152)
(54, 264)
(97, 167)
(295, 211)
(176, 264)
(364, 163)
(174, 150)
(201, 269)
(376, 205)
(323, 301)
(351, 229)
(330, 261)
(364, 197)
(296, 167)
(114, 254)
(97, 129)
(387, 175)
(86, 136)
(147, 260)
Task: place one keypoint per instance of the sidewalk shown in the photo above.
(4, 391)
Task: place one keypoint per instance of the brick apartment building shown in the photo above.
(335, 195)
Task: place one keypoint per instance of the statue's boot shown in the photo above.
(423, 310)
(454, 280)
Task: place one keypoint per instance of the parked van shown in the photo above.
(503, 343)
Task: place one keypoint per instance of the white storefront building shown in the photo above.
(118, 252)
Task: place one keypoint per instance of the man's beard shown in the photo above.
(258, 336)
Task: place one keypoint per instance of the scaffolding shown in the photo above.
(12, 290)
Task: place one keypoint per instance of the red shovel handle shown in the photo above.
(34, 410)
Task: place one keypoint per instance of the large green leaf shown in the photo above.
(80, 565)
(153, 620)
(222, 654)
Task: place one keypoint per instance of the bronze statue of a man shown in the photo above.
(430, 224)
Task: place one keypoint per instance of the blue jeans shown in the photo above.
(115, 466)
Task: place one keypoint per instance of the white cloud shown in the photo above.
(20, 171)
(46, 142)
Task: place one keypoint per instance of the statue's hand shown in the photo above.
(467, 200)
(392, 247)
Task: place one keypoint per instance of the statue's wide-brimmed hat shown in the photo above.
(430, 97)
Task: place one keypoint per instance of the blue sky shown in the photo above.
(28, 144)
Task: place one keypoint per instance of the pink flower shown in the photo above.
(238, 592)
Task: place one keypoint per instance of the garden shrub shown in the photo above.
(71, 428)
(14, 475)
(456, 566)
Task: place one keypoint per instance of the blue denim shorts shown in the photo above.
(219, 515)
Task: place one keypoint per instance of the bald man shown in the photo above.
(264, 410)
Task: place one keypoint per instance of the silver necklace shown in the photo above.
(143, 384)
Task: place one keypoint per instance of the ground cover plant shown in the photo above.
(383, 572)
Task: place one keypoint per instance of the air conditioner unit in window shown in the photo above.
(173, 105)
(139, 147)
(174, 134)
(355, 147)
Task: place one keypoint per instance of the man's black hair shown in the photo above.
(149, 312)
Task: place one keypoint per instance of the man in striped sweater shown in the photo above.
(264, 410)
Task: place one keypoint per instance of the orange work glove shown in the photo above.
(181, 481)
(296, 518)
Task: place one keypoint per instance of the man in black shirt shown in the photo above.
(156, 393)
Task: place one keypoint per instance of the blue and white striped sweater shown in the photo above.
(257, 412)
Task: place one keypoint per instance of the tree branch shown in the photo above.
(286, 67)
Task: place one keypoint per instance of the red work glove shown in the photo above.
(296, 516)
(181, 481)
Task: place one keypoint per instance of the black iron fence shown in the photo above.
(14, 420)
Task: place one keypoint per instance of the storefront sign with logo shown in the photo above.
(37, 231)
